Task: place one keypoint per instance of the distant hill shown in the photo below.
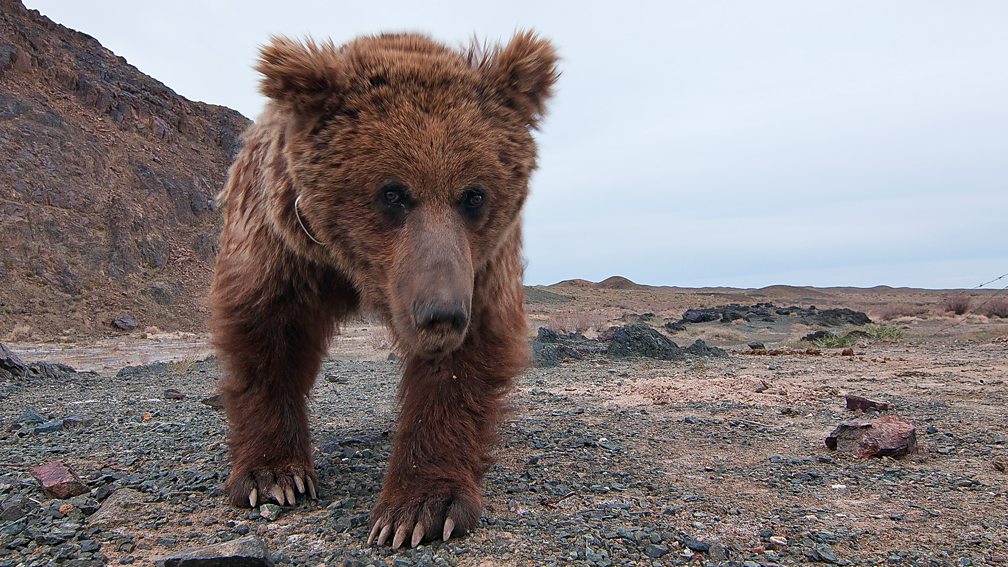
(619, 282)
(107, 189)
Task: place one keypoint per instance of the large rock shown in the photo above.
(248, 551)
(551, 348)
(11, 363)
(58, 480)
(889, 436)
(642, 340)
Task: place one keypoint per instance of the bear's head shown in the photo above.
(409, 162)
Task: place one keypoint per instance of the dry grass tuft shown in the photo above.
(958, 304)
(20, 332)
(378, 337)
(576, 322)
(898, 310)
(997, 307)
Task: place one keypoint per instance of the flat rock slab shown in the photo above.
(889, 436)
(859, 403)
(248, 551)
(58, 480)
(119, 509)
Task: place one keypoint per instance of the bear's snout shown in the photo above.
(440, 316)
(440, 326)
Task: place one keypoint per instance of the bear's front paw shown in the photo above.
(281, 485)
(423, 515)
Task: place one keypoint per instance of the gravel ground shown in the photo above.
(622, 462)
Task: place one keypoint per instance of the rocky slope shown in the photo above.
(107, 190)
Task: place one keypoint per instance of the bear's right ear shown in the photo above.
(522, 73)
(302, 76)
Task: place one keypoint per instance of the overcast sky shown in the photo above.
(693, 143)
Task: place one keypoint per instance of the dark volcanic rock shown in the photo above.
(767, 312)
(817, 336)
(248, 551)
(701, 315)
(551, 348)
(124, 323)
(11, 363)
(834, 317)
(642, 340)
(700, 348)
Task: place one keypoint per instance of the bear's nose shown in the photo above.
(433, 316)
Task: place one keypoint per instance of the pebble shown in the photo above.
(269, 511)
(655, 551)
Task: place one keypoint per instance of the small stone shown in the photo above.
(248, 551)
(124, 323)
(655, 551)
(1000, 464)
(58, 480)
(30, 416)
(213, 401)
(269, 511)
(778, 542)
(824, 553)
(173, 394)
(717, 552)
(756, 345)
(50, 426)
(859, 403)
(696, 545)
(12, 511)
(847, 352)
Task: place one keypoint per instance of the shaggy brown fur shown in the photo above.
(409, 163)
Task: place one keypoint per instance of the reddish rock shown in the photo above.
(889, 436)
(861, 404)
(847, 352)
(58, 480)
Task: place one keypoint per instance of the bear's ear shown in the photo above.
(302, 76)
(522, 74)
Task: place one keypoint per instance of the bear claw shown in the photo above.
(382, 529)
(261, 486)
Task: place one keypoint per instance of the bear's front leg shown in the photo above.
(433, 483)
(271, 328)
(451, 409)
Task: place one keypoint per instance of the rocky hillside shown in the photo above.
(107, 189)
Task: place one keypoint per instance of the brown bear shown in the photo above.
(387, 174)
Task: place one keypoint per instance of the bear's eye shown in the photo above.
(393, 201)
(473, 198)
(394, 195)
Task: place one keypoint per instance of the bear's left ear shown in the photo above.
(302, 76)
(522, 74)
